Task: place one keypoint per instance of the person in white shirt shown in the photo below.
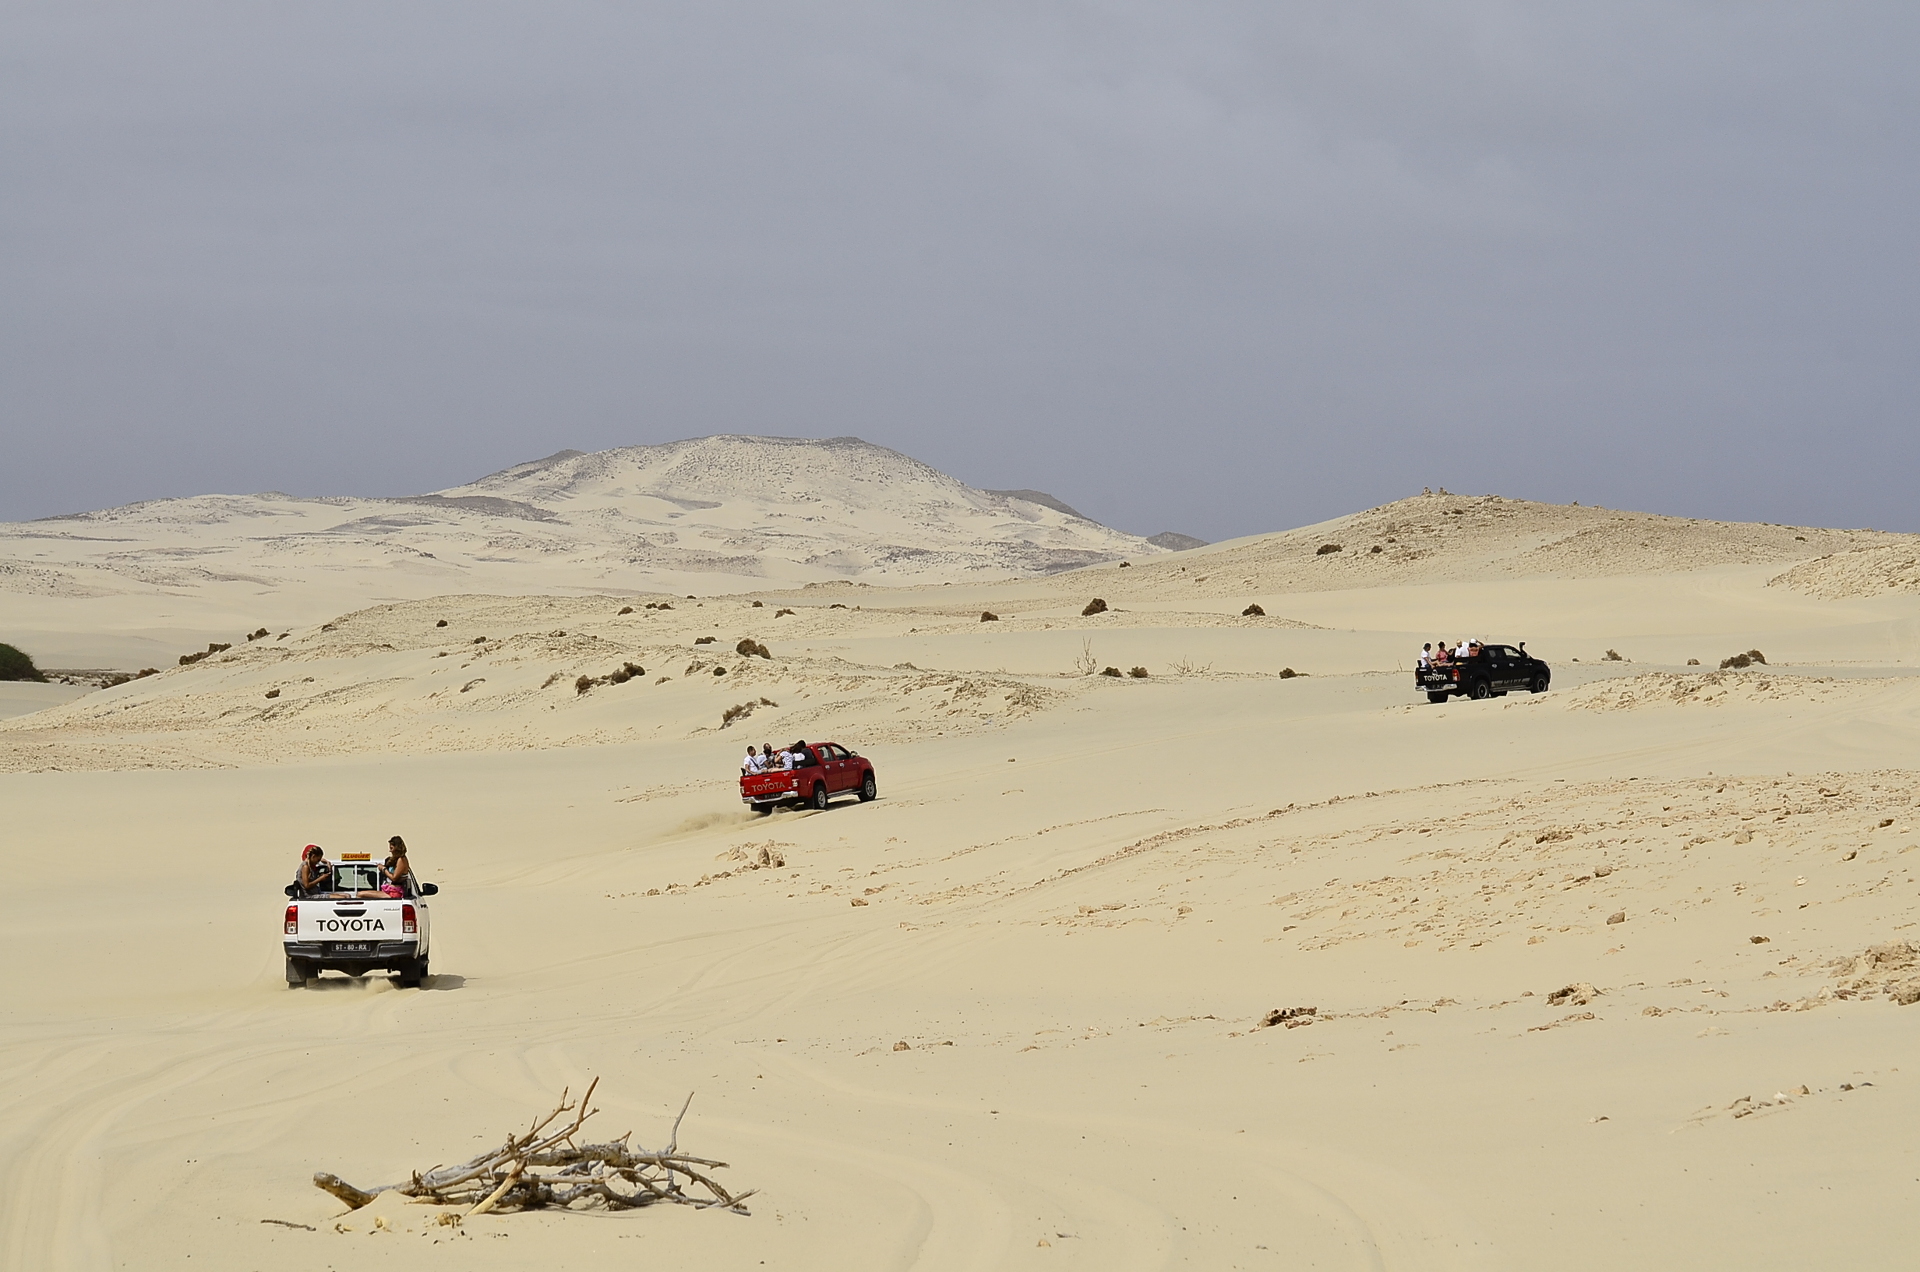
(1464, 650)
(1426, 655)
(753, 763)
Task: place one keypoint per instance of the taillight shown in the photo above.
(293, 920)
(408, 924)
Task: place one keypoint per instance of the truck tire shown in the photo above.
(1539, 685)
(867, 789)
(412, 972)
(762, 810)
(819, 800)
(297, 973)
(1437, 698)
(1481, 691)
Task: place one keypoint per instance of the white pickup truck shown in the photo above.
(356, 930)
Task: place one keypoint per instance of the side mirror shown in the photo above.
(429, 889)
(293, 891)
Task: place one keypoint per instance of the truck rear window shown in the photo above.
(355, 876)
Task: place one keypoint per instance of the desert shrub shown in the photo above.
(759, 605)
(257, 635)
(741, 710)
(441, 623)
(479, 640)
(1094, 606)
(782, 613)
(625, 609)
(583, 684)
(619, 676)
(1288, 673)
(1614, 655)
(117, 678)
(187, 660)
(836, 605)
(705, 640)
(144, 672)
(1747, 659)
(550, 680)
(988, 616)
(1110, 671)
(1325, 548)
(1253, 611)
(273, 693)
(1126, 565)
(751, 648)
(1139, 673)
(1693, 662)
(719, 671)
(1374, 548)
(16, 665)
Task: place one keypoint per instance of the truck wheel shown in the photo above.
(1482, 691)
(819, 800)
(762, 810)
(1436, 698)
(868, 790)
(412, 972)
(1539, 685)
(297, 972)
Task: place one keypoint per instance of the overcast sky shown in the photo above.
(1212, 267)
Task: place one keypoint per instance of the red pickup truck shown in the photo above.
(820, 772)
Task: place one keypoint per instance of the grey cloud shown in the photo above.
(1211, 267)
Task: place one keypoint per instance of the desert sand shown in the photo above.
(1610, 976)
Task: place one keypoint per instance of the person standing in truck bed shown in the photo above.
(316, 872)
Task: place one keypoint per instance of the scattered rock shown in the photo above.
(1291, 1017)
(441, 623)
(988, 616)
(902, 1046)
(1326, 548)
(273, 693)
(1578, 994)
(1094, 606)
(705, 640)
(1253, 611)
(1288, 673)
(625, 609)
(1759, 940)
(863, 901)
(1618, 916)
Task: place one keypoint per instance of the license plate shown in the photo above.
(352, 947)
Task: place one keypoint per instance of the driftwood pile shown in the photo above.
(543, 1167)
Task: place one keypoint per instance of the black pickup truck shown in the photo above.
(1490, 673)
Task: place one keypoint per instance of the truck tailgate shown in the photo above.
(375, 920)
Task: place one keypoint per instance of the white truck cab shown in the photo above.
(356, 929)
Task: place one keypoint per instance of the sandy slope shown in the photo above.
(1075, 902)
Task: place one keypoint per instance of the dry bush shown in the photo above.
(275, 693)
(1126, 565)
(719, 671)
(187, 660)
(1139, 673)
(659, 605)
(1747, 659)
(836, 605)
(1693, 662)
(1325, 548)
(549, 681)
(441, 623)
(583, 684)
(1110, 671)
(741, 710)
(751, 648)
(704, 640)
(625, 609)
(758, 605)
(1253, 611)
(479, 640)
(782, 613)
(1288, 673)
(1612, 655)
(1094, 606)
(988, 616)
(256, 635)
(1374, 548)
(1086, 664)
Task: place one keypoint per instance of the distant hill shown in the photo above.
(132, 585)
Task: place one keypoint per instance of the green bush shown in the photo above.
(15, 665)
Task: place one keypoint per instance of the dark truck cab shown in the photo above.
(1492, 672)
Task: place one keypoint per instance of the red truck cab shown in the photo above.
(821, 771)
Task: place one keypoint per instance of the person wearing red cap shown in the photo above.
(316, 872)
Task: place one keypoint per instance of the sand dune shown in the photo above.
(1214, 967)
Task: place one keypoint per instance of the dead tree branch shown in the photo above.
(543, 1168)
